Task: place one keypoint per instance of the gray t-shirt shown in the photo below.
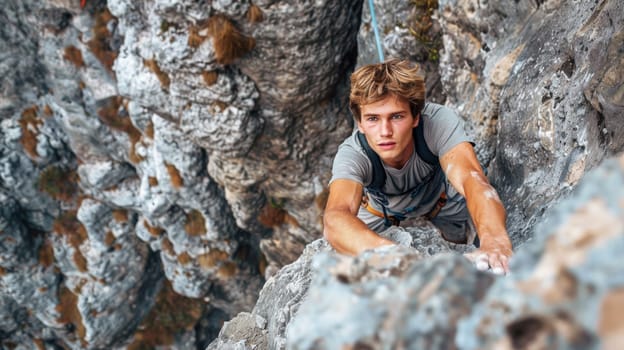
(413, 190)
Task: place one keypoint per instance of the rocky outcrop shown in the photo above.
(543, 78)
(160, 159)
(147, 156)
(561, 292)
(283, 294)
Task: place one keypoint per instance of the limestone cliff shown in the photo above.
(160, 160)
(564, 290)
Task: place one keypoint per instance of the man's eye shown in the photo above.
(397, 116)
(371, 119)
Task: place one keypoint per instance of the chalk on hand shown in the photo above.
(498, 271)
(482, 263)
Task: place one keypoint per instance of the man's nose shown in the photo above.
(386, 128)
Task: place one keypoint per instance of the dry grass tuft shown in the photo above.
(219, 106)
(272, 215)
(111, 115)
(39, 344)
(100, 44)
(133, 156)
(194, 38)
(73, 55)
(46, 254)
(67, 225)
(212, 258)
(167, 246)
(228, 41)
(195, 223)
(152, 181)
(227, 270)
(171, 315)
(254, 14)
(154, 231)
(120, 215)
(59, 182)
(174, 175)
(149, 130)
(421, 26)
(155, 68)
(80, 261)
(47, 111)
(184, 258)
(210, 77)
(109, 239)
(30, 123)
(69, 313)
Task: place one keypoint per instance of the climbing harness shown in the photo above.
(379, 175)
(389, 220)
(438, 206)
(376, 30)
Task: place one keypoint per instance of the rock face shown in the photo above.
(159, 160)
(545, 78)
(563, 290)
(147, 154)
(287, 291)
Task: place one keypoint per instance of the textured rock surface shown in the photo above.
(393, 308)
(159, 159)
(137, 147)
(546, 78)
(563, 292)
(284, 293)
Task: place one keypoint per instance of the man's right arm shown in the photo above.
(343, 230)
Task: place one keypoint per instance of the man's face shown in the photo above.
(387, 125)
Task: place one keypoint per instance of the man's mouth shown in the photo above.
(386, 145)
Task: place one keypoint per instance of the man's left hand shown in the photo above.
(493, 255)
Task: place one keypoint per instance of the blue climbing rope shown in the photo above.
(377, 40)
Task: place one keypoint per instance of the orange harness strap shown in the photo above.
(438, 206)
(432, 214)
(393, 220)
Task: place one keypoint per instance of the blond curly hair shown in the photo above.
(374, 82)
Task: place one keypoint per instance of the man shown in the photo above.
(388, 102)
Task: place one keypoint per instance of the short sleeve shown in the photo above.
(443, 129)
(351, 164)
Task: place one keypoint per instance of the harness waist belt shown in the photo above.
(437, 207)
(395, 221)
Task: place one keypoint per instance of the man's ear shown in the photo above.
(416, 120)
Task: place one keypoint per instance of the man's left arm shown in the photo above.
(464, 172)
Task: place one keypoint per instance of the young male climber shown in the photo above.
(425, 167)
